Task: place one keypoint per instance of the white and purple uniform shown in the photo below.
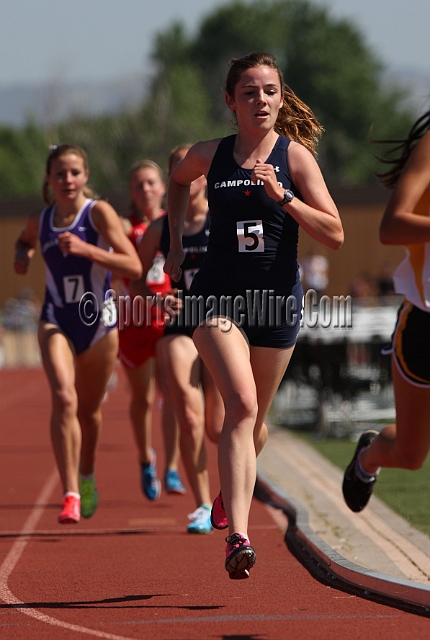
(76, 293)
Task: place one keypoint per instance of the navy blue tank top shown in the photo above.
(195, 248)
(253, 240)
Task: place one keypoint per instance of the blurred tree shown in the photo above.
(112, 143)
(330, 67)
(22, 160)
(324, 60)
(179, 107)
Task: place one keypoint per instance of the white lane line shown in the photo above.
(15, 554)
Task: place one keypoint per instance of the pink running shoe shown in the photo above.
(218, 514)
(71, 510)
(240, 556)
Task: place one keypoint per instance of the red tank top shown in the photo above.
(157, 280)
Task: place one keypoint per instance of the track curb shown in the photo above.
(301, 536)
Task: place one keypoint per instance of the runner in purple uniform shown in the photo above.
(82, 240)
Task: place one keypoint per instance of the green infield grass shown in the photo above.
(405, 492)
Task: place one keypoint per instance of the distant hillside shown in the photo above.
(56, 101)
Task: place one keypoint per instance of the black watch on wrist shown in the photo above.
(288, 196)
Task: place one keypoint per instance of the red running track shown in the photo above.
(132, 571)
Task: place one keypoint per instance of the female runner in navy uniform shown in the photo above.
(261, 187)
(183, 373)
(81, 239)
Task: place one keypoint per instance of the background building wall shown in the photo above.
(361, 211)
(362, 254)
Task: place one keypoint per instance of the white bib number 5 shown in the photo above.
(250, 236)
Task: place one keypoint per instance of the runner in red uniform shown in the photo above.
(137, 343)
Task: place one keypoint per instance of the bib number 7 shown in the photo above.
(250, 236)
(74, 288)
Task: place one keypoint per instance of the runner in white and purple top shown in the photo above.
(76, 288)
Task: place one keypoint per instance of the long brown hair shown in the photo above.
(295, 119)
(58, 152)
(402, 150)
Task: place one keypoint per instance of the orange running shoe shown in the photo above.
(71, 510)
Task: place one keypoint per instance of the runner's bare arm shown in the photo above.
(147, 250)
(26, 244)
(123, 259)
(196, 163)
(400, 225)
(316, 214)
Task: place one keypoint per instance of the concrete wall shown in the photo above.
(11, 283)
(362, 253)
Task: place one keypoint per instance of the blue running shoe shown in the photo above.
(201, 520)
(151, 486)
(173, 483)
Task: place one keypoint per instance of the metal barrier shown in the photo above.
(340, 375)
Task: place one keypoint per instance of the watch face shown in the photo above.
(288, 196)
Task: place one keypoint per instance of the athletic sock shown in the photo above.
(363, 475)
(86, 478)
(72, 493)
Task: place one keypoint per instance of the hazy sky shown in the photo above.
(100, 40)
